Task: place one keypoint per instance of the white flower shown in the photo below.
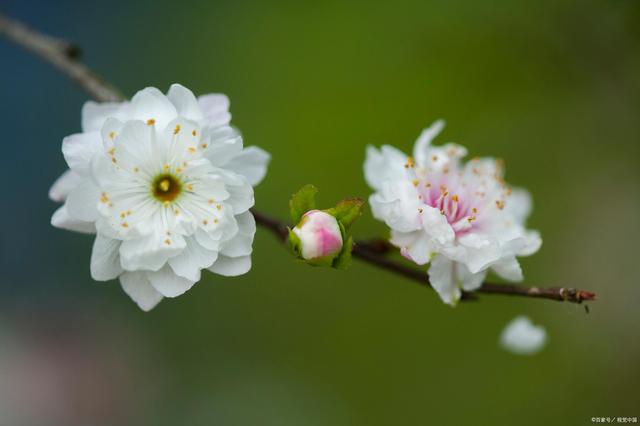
(319, 235)
(521, 337)
(166, 185)
(462, 218)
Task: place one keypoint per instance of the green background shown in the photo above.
(552, 87)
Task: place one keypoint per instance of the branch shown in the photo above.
(64, 56)
(375, 256)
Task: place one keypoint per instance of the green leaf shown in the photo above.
(347, 211)
(302, 201)
(343, 260)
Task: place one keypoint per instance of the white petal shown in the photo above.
(62, 220)
(508, 268)
(467, 280)
(418, 250)
(78, 150)
(224, 144)
(95, 114)
(477, 251)
(63, 185)
(521, 337)
(231, 266)
(105, 259)
(421, 152)
(240, 197)
(109, 131)
(251, 163)
(151, 104)
(383, 165)
(519, 205)
(138, 287)
(442, 280)
(242, 243)
(168, 283)
(82, 202)
(192, 259)
(209, 240)
(397, 204)
(185, 102)
(436, 226)
(151, 252)
(135, 145)
(215, 108)
(532, 243)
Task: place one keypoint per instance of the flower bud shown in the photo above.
(319, 235)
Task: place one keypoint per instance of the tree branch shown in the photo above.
(375, 256)
(64, 56)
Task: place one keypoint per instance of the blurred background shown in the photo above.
(551, 86)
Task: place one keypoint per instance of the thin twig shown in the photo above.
(64, 56)
(376, 258)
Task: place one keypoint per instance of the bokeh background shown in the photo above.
(551, 86)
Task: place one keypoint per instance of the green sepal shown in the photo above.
(302, 201)
(321, 261)
(347, 211)
(343, 259)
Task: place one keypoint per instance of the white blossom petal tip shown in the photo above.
(521, 337)
(166, 184)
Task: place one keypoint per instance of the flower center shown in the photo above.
(166, 187)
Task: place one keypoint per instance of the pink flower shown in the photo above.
(461, 218)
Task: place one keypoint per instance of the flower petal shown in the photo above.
(242, 243)
(476, 251)
(467, 280)
(251, 163)
(105, 259)
(151, 106)
(150, 253)
(78, 150)
(383, 165)
(240, 197)
(185, 102)
(168, 283)
(62, 220)
(508, 268)
(521, 337)
(442, 280)
(421, 148)
(224, 143)
(192, 259)
(397, 204)
(215, 108)
(138, 287)
(63, 185)
(82, 202)
(231, 266)
(95, 114)
(436, 226)
(519, 205)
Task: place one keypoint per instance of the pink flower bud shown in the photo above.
(319, 235)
